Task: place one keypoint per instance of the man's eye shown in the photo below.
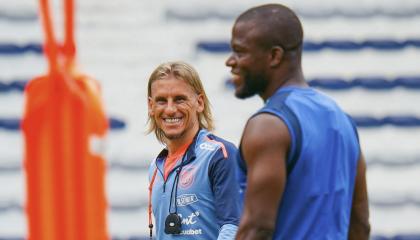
(180, 99)
(237, 50)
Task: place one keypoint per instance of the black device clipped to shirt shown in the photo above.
(173, 224)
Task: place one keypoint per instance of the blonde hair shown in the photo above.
(181, 71)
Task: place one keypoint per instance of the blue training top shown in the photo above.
(208, 194)
(321, 165)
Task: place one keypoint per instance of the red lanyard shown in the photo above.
(150, 202)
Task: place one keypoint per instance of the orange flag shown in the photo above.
(63, 112)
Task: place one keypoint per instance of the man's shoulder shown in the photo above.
(219, 141)
(218, 147)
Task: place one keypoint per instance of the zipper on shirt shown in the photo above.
(161, 173)
(169, 174)
(174, 169)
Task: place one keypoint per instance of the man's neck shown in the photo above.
(292, 79)
(175, 145)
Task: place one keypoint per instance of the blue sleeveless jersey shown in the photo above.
(321, 165)
(207, 197)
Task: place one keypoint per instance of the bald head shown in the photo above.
(277, 26)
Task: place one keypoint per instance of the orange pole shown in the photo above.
(65, 182)
(69, 45)
(50, 45)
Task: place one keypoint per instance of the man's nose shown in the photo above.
(230, 61)
(170, 107)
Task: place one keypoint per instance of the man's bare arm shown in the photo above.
(359, 220)
(264, 144)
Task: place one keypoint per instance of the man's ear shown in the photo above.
(276, 55)
(150, 106)
(200, 101)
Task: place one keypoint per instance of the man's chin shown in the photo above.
(241, 94)
(174, 136)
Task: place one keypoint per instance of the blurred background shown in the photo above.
(365, 54)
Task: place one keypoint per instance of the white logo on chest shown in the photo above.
(191, 219)
(207, 146)
(186, 199)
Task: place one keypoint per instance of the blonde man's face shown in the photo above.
(175, 106)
